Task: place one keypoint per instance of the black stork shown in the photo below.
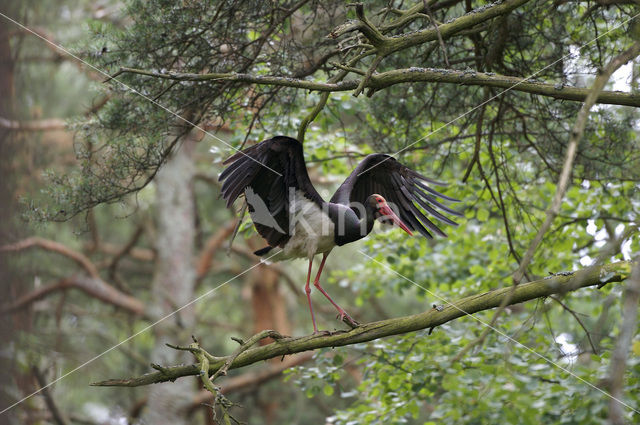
(289, 213)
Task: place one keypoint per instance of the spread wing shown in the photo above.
(402, 187)
(268, 173)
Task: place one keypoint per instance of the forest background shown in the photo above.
(115, 117)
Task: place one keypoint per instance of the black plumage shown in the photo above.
(274, 179)
(272, 169)
(400, 186)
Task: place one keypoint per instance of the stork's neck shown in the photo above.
(351, 223)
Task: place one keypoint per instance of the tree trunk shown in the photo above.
(10, 154)
(269, 312)
(174, 282)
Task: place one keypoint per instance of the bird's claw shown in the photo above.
(344, 317)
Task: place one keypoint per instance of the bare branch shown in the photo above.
(212, 245)
(558, 284)
(252, 380)
(92, 286)
(54, 246)
(411, 75)
(36, 125)
(48, 399)
(574, 138)
(575, 316)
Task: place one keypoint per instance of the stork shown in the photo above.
(288, 212)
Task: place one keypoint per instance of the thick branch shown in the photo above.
(92, 286)
(386, 45)
(590, 276)
(448, 29)
(410, 75)
(47, 124)
(54, 246)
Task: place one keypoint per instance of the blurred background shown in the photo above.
(112, 216)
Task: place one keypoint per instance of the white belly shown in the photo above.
(313, 232)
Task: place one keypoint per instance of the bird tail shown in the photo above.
(263, 251)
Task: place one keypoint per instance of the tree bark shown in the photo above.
(411, 75)
(269, 312)
(174, 282)
(557, 284)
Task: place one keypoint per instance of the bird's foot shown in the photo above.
(344, 317)
(321, 333)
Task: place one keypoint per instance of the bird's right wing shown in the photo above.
(268, 174)
(402, 187)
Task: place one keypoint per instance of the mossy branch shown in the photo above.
(385, 45)
(409, 75)
(556, 284)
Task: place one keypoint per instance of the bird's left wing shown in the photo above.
(404, 189)
(268, 173)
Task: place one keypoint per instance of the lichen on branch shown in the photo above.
(556, 284)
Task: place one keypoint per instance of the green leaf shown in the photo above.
(327, 390)
(483, 214)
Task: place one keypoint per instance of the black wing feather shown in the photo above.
(271, 168)
(400, 186)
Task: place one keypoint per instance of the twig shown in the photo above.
(243, 211)
(244, 346)
(368, 75)
(435, 25)
(575, 316)
(51, 405)
(212, 245)
(252, 380)
(576, 135)
(476, 148)
(204, 358)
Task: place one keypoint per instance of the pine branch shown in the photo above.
(409, 75)
(557, 284)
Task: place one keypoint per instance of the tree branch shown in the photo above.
(572, 148)
(54, 246)
(386, 45)
(92, 286)
(213, 244)
(46, 124)
(558, 284)
(409, 75)
(251, 380)
(56, 415)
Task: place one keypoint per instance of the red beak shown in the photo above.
(386, 211)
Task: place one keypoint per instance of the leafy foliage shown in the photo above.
(509, 151)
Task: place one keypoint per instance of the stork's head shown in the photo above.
(383, 212)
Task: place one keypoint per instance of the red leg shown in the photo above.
(341, 313)
(307, 289)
